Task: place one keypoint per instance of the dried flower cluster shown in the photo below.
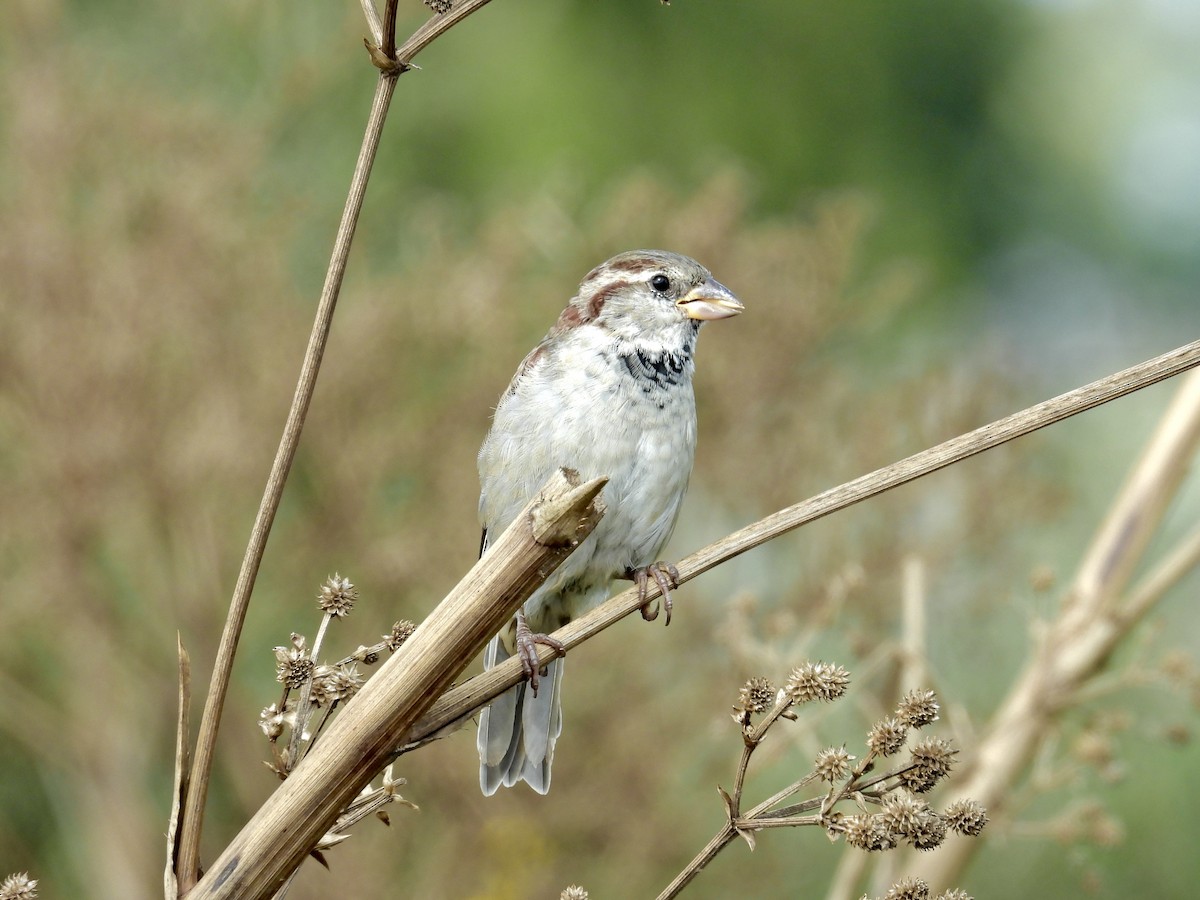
(756, 696)
(18, 887)
(817, 681)
(890, 813)
(916, 889)
(309, 686)
(908, 819)
(337, 596)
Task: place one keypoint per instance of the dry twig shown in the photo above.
(391, 65)
(1098, 611)
(465, 699)
(359, 741)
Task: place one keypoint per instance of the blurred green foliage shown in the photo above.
(915, 200)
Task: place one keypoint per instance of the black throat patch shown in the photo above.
(657, 370)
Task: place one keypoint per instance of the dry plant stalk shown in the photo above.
(1098, 611)
(188, 815)
(891, 810)
(360, 741)
(188, 807)
(465, 699)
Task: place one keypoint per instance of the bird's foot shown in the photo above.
(527, 642)
(666, 576)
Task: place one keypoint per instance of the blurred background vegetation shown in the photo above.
(936, 212)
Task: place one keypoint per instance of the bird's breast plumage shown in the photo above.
(589, 404)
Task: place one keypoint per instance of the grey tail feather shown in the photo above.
(517, 731)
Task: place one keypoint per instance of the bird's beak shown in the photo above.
(710, 300)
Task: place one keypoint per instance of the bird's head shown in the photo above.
(650, 297)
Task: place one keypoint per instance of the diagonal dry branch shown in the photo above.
(358, 742)
(475, 693)
(1098, 611)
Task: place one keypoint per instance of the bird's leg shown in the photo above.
(527, 642)
(665, 575)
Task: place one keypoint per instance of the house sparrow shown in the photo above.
(608, 391)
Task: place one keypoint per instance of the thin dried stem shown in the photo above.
(179, 789)
(1146, 593)
(358, 742)
(913, 616)
(1093, 620)
(781, 795)
(372, 16)
(718, 843)
(388, 44)
(192, 817)
(846, 877)
(471, 696)
(435, 27)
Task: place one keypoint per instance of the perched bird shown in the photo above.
(608, 391)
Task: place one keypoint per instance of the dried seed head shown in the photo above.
(1106, 831)
(833, 764)
(574, 892)
(867, 833)
(271, 722)
(929, 833)
(903, 813)
(1042, 578)
(966, 817)
(401, 632)
(337, 596)
(18, 887)
(1178, 666)
(954, 894)
(756, 695)
(441, 7)
(333, 684)
(887, 736)
(1094, 747)
(932, 759)
(293, 667)
(817, 681)
(908, 889)
(918, 708)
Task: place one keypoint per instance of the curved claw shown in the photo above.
(666, 576)
(527, 642)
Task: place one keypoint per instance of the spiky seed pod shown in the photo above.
(337, 596)
(292, 666)
(918, 708)
(887, 736)
(867, 833)
(401, 632)
(929, 833)
(902, 812)
(817, 681)
(331, 685)
(908, 889)
(833, 764)
(574, 892)
(756, 695)
(19, 887)
(932, 759)
(966, 817)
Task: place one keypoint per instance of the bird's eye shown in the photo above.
(660, 282)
